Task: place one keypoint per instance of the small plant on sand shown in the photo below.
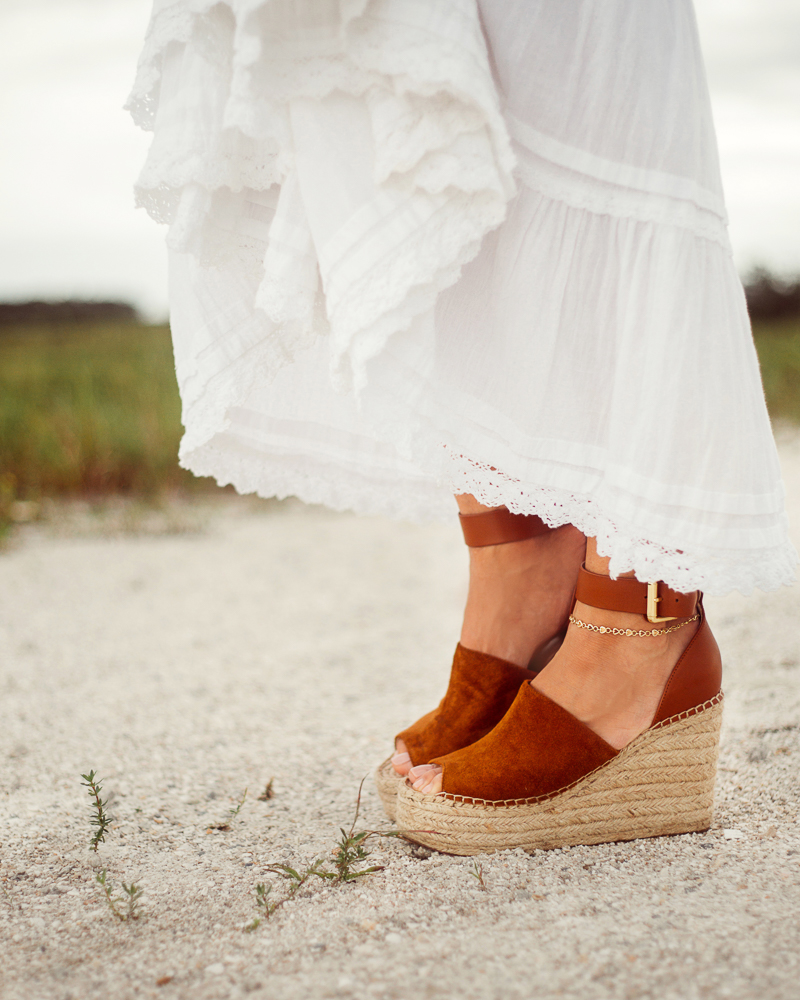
(477, 874)
(268, 792)
(350, 850)
(232, 814)
(264, 906)
(100, 818)
(348, 856)
(235, 811)
(298, 879)
(126, 906)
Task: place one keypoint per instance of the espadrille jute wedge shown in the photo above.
(481, 687)
(543, 779)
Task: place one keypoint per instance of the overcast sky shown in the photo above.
(69, 154)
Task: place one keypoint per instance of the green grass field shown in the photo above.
(778, 346)
(95, 410)
(90, 410)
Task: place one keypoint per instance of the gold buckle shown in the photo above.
(652, 605)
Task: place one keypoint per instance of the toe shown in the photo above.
(401, 759)
(434, 785)
(426, 778)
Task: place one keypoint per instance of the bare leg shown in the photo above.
(519, 594)
(611, 683)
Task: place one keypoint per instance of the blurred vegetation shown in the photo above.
(778, 346)
(770, 297)
(37, 311)
(90, 407)
(774, 307)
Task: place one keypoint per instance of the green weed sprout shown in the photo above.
(225, 825)
(477, 874)
(348, 855)
(235, 811)
(100, 819)
(126, 906)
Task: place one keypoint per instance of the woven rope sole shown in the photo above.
(661, 783)
(388, 782)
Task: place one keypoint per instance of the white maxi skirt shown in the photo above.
(421, 247)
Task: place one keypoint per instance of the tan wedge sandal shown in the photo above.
(542, 779)
(481, 687)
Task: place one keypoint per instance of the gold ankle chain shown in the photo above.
(630, 631)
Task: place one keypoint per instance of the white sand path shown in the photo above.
(292, 643)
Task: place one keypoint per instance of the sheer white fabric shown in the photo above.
(425, 248)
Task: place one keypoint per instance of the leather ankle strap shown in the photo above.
(498, 526)
(654, 601)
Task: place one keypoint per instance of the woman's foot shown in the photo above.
(542, 779)
(611, 683)
(519, 597)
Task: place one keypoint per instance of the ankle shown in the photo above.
(628, 642)
(619, 625)
(613, 681)
(508, 567)
(520, 593)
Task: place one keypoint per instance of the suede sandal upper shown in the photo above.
(537, 748)
(480, 692)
